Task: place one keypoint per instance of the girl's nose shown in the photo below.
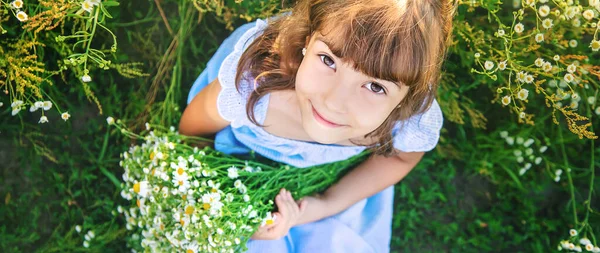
(337, 97)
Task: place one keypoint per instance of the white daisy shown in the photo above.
(86, 78)
(22, 16)
(544, 10)
(539, 37)
(506, 100)
(547, 23)
(547, 67)
(18, 4)
(573, 232)
(488, 65)
(142, 188)
(539, 62)
(571, 68)
(110, 120)
(573, 43)
(569, 77)
(47, 105)
(595, 45)
(43, 119)
(519, 28)
(502, 65)
(523, 94)
(65, 116)
(232, 172)
(588, 14)
(87, 5)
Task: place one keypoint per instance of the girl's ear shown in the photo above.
(307, 41)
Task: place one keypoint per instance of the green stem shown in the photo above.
(568, 171)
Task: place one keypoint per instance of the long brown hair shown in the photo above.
(396, 40)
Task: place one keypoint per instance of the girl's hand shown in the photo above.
(289, 213)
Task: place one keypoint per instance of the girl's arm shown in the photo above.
(201, 116)
(370, 177)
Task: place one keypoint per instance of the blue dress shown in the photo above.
(363, 227)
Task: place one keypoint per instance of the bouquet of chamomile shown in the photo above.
(189, 199)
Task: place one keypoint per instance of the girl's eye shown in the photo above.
(374, 87)
(327, 61)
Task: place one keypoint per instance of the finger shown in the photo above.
(276, 218)
(291, 204)
(303, 203)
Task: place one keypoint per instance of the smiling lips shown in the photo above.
(322, 120)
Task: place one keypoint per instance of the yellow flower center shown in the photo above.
(184, 197)
(87, 6)
(152, 156)
(269, 222)
(153, 171)
(180, 171)
(18, 4)
(189, 210)
(21, 16)
(213, 190)
(180, 182)
(137, 202)
(162, 227)
(189, 251)
(136, 187)
(206, 206)
(182, 222)
(596, 45)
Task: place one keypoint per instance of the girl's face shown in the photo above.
(337, 102)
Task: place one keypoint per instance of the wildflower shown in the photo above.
(78, 228)
(539, 62)
(591, 100)
(47, 105)
(556, 57)
(65, 116)
(576, 97)
(597, 111)
(528, 78)
(543, 149)
(518, 153)
(539, 37)
(488, 65)
(527, 144)
(87, 6)
(556, 179)
(595, 45)
(585, 241)
(589, 247)
(547, 23)
(141, 188)
(571, 68)
(573, 232)
(502, 65)
(147, 126)
(246, 198)
(578, 248)
(521, 76)
(43, 119)
(510, 140)
(573, 43)
(477, 55)
(523, 94)
(569, 77)
(269, 220)
(588, 14)
(86, 78)
(544, 10)
(17, 4)
(506, 100)
(522, 115)
(547, 67)
(538, 160)
(33, 108)
(110, 120)
(91, 234)
(232, 172)
(22, 16)
(86, 244)
(504, 134)
(522, 171)
(500, 32)
(519, 28)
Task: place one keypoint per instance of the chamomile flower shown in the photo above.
(571, 68)
(544, 10)
(573, 43)
(588, 14)
(86, 244)
(522, 115)
(269, 220)
(502, 65)
(589, 247)
(86, 78)
(519, 28)
(538, 160)
(141, 188)
(488, 65)
(17, 4)
(539, 38)
(110, 120)
(87, 5)
(65, 116)
(585, 241)
(505, 100)
(529, 78)
(500, 32)
(47, 105)
(232, 172)
(22, 16)
(521, 76)
(591, 100)
(547, 67)
(523, 94)
(556, 57)
(543, 149)
(573, 232)
(43, 120)
(78, 228)
(569, 77)
(595, 45)
(547, 23)
(539, 62)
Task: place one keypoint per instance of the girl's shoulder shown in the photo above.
(421, 132)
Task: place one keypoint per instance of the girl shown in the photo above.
(321, 84)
